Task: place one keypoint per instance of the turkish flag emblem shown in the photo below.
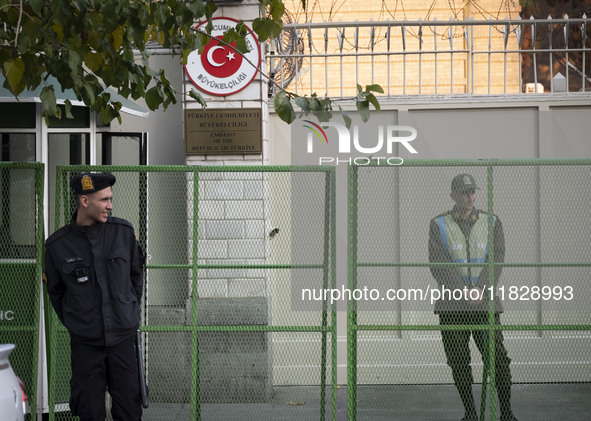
(220, 70)
(220, 60)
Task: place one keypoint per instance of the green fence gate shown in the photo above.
(395, 346)
(226, 335)
(21, 247)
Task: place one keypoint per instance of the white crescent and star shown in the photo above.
(214, 63)
(222, 73)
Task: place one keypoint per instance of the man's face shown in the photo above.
(464, 200)
(97, 206)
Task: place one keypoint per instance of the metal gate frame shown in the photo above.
(327, 328)
(21, 355)
(353, 264)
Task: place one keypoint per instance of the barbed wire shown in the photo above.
(397, 10)
(315, 13)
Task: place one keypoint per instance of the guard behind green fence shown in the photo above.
(221, 339)
(395, 335)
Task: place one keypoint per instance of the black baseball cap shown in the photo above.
(463, 182)
(91, 182)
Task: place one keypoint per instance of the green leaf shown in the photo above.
(241, 29)
(203, 41)
(346, 117)
(230, 36)
(210, 9)
(374, 101)
(197, 97)
(68, 108)
(59, 31)
(303, 103)
(108, 113)
(5, 55)
(74, 61)
(359, 89)
(276, 10)
(323, 115)
(283, 107)
(374, 88)
(93, 61)
(60, 9)
(36, 5)
(198, 8)
(117, 38)
(154, 98)
(242, 46)
(266, 28)
(363, 108)
(48, 100)
(15, 70)
(15, 75)
(88, 94)
(315, 104)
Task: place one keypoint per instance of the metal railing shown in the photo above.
(461, 57)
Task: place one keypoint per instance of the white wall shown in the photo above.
(522, 127)
(166, 144)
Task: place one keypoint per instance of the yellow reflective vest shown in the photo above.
(465, 250)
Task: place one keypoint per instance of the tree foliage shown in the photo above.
(91, 45)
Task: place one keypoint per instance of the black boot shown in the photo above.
(467, 397)
(504, 393)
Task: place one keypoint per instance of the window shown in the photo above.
(18, 115)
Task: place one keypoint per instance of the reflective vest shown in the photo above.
(462, 250)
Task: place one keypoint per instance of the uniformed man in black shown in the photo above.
(94, 275)
(461, 235)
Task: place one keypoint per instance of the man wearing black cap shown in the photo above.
(94, 276)
(461, 236)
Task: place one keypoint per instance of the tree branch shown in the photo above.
(18, 24)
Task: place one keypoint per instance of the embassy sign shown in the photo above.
(220, 70)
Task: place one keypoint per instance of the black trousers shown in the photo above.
(96, 369)
(457, 352)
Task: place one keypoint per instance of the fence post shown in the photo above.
(352, 304)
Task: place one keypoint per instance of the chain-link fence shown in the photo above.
(223, 335)
(21, 245)
(429, 296)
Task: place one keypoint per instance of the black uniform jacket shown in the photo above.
(450, 278)
(94, 278)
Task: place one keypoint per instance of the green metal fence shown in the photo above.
(394, 337)
(21, 246)
(223, 335)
